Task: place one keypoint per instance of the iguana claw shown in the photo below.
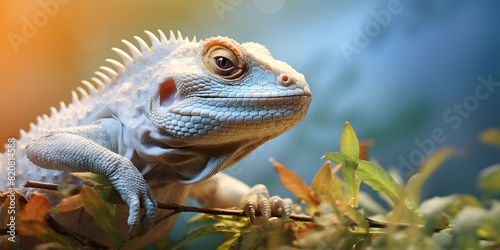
(258, 199)
(134, 190)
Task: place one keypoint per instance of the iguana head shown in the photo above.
(218, 91)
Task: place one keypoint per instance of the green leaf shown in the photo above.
(329, 238)
(197, 233)
(54, 210)
(413, 199)
(229, 242)
(96, 207)
(491, 136)
(338, 188)
(349, 147)
(356, 216)
(335, 157)
(201, 217)
(267, 236)
(349, 243)
(489, 179)
(96, 179)
(253, 239)
(379, 180)
(352, 182)
(104, 196)
(364, 243)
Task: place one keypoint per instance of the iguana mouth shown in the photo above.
(259, 95)
(274, 108)
(268, 97)
(254, 101)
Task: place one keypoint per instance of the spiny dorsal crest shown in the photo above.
(103, 79)
(107, 74)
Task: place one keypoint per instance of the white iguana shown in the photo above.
(161, 125)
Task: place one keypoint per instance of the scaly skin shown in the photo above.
(170, 117)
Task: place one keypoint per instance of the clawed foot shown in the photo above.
(258, 200)
(134, 190)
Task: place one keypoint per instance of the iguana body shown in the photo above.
(173, 114)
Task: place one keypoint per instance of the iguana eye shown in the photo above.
(223, 63)
(224, 58)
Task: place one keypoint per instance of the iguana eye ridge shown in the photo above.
(223, 63)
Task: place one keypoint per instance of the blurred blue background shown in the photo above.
(403, 73)
(414, 73)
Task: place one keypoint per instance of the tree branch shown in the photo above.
(115, 198)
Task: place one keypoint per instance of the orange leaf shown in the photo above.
(71, 203)
(293, 182)
(305, 227)
(364, 149)
(36, 208)
(32, 228)
(42, 231)
(322, 180)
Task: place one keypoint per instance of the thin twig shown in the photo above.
(384, 224)
(174, 207)
(41, 185)
(219, 211)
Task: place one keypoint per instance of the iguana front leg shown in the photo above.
(224, 191)
(92, 148)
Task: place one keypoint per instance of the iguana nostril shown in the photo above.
(285, 80)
